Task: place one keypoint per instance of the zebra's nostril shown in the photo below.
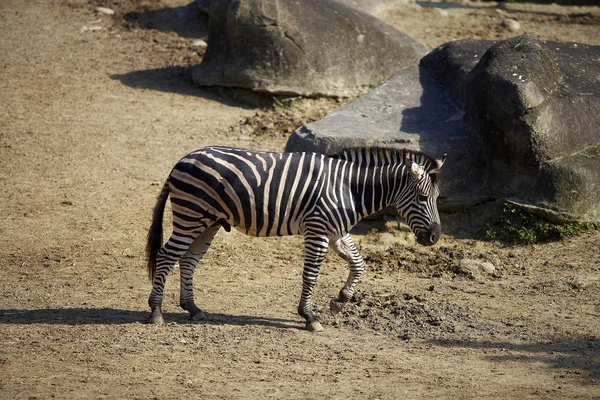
(433, 238)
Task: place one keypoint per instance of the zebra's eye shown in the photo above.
(422, 198)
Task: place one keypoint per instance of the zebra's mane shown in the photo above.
(382, 156)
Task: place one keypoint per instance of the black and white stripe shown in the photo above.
(276, 194)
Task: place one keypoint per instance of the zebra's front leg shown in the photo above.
(346, 249)
(187, 266)
(315, 248)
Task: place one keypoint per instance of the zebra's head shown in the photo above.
(417, 201)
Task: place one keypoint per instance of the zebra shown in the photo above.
(293, 193)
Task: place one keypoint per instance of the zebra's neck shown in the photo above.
(374, 188)
(376, 178)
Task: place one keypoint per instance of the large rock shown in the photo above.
(537, 108)
(309, 48)
(519, 119)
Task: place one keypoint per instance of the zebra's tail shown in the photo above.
(155, 234)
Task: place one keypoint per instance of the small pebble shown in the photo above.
(200, 43)
(105, 10)
(473, 267)
(581, 282)
(91, 28)
(511, 25)
(441, 12)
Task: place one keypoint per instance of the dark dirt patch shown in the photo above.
(406, 316)
(283, 116)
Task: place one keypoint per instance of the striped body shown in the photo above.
(276, 194)
(259, 193)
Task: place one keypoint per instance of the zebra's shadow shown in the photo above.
(112, 316)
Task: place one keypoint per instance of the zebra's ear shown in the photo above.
(415, 170)
(439, 164)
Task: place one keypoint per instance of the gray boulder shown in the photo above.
(537, 108)
(519, 119)
(309, 48)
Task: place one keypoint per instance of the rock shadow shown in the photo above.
(174, 79)
(177, 79)
(188, 21)
(437, 114)
(447, 5)
(112, 316)
(579, 355)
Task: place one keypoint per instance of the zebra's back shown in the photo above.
(259, 193)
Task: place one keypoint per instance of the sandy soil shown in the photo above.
(95, 110)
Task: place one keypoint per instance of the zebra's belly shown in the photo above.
(267, 229)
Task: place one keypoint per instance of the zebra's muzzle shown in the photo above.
(431, 236)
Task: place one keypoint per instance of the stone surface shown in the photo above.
(309, 48)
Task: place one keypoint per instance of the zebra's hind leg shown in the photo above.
(166, 258)
(346, 249)
(187, 266)
(315, 247)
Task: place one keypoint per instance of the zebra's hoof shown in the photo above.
(335, 306)
(314, 326)
(156, 317)
(196, 314)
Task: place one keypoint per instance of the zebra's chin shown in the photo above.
(429, 237)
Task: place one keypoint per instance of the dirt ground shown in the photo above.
(95, 110)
